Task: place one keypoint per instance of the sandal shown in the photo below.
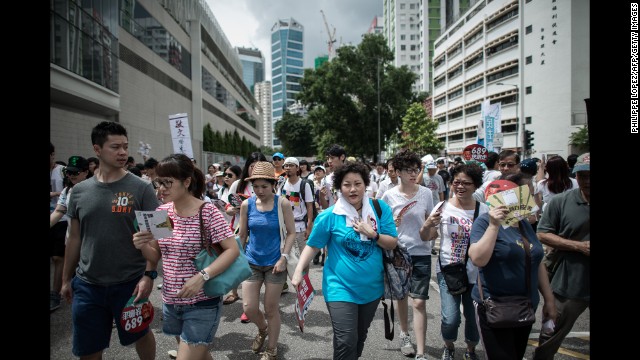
(230, 299)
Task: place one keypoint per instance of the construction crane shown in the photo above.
(332, 37)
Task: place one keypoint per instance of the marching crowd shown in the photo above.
(338, 212)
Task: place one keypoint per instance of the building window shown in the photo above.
(402, 6)
(474, 85)
(403, 47)
(473, 109)
(455, 94)
(511, 42)
(455, 72)
(403, 37)
(502, 74)
(440, 101)
(413, 47)
(528, 29)
(527, 120)
(527, 90)
(502, 18)
(528, 60)
(474, 60)
(455, 115)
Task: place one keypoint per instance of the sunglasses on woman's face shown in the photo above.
(228, 175)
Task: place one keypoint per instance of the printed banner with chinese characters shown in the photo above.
(180, 135)
(305, 295)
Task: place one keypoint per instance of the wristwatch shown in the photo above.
(152, 274)
(286, 256)
(205, 275)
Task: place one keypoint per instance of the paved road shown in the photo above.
(233, 339)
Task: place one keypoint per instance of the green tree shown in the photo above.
(580, 139)
(295, 134)
(207, 138)
(342, 96)
(419, 131)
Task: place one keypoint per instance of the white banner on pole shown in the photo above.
(491, 119)
(180, 135)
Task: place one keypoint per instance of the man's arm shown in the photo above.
(560, 243)
(71, 258)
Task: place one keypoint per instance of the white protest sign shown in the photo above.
(180, 135)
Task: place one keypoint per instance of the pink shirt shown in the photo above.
(179, 250)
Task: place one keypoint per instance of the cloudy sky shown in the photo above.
(248, 23)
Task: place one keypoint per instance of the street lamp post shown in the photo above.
(378, 77)
(517, 117)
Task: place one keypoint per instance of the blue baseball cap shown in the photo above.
(583, 163)
(278, 155)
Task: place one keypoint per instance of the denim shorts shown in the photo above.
(195, 323)
(265, 274)
(94, 309)
(420, 277)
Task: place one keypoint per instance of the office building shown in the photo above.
(137, 62)
(287, 40)
(252, 66)
(262, 92)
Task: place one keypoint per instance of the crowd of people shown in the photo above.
(324, 210)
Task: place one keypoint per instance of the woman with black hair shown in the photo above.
(187, 312)
(355, 237)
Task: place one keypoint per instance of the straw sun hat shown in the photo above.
(263, 170)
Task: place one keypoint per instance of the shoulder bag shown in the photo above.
(455, 274)
(229, 279)
(511, 311)
(294, 254)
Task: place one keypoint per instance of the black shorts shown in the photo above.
(57, 235)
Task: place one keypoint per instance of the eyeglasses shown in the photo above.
(71, 173)
(509, 165)
(412, 171)
(166, 183)
(228, 175)
(463, 183)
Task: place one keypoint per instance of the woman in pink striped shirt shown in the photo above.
(188, 314)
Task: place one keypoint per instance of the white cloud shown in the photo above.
(248, 23)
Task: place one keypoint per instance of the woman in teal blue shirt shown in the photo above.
(353, 281)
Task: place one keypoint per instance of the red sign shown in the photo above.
(236, 199)
(305, 295)
(136, 317)
(497, 186)
(475, 152)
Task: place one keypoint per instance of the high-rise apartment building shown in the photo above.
(262, 91)
(286, 67)
(411, 27)
(530, 56)
(137, 62)
(252, 66)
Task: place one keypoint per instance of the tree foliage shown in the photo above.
(342, 96)
(229, 143)
(580, 138)
(295, 134)
(419, 131)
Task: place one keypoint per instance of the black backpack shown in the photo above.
(313, 205)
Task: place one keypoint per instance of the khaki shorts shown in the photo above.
(265, 274)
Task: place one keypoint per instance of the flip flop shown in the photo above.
(230, 299)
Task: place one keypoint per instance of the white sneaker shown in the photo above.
(173, 354)
(406, 348)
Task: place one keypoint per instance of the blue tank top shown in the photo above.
(263, 248)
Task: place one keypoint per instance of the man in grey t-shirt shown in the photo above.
(100, 253)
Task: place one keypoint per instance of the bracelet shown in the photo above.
(286, 256)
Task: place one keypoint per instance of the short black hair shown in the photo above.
(336, 150)
(150, 163)
(474, 171)
(101, 131)
(572, 160)
(405, 159)
(351, 167)
(492, 159)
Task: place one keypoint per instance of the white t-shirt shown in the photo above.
(56, 185)
(385, 185)
(490, 175)
(435, 184)
(292, 193)
(328, 183)
(372, 188)
(547, 194)
(455, 237)
(419, 207)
